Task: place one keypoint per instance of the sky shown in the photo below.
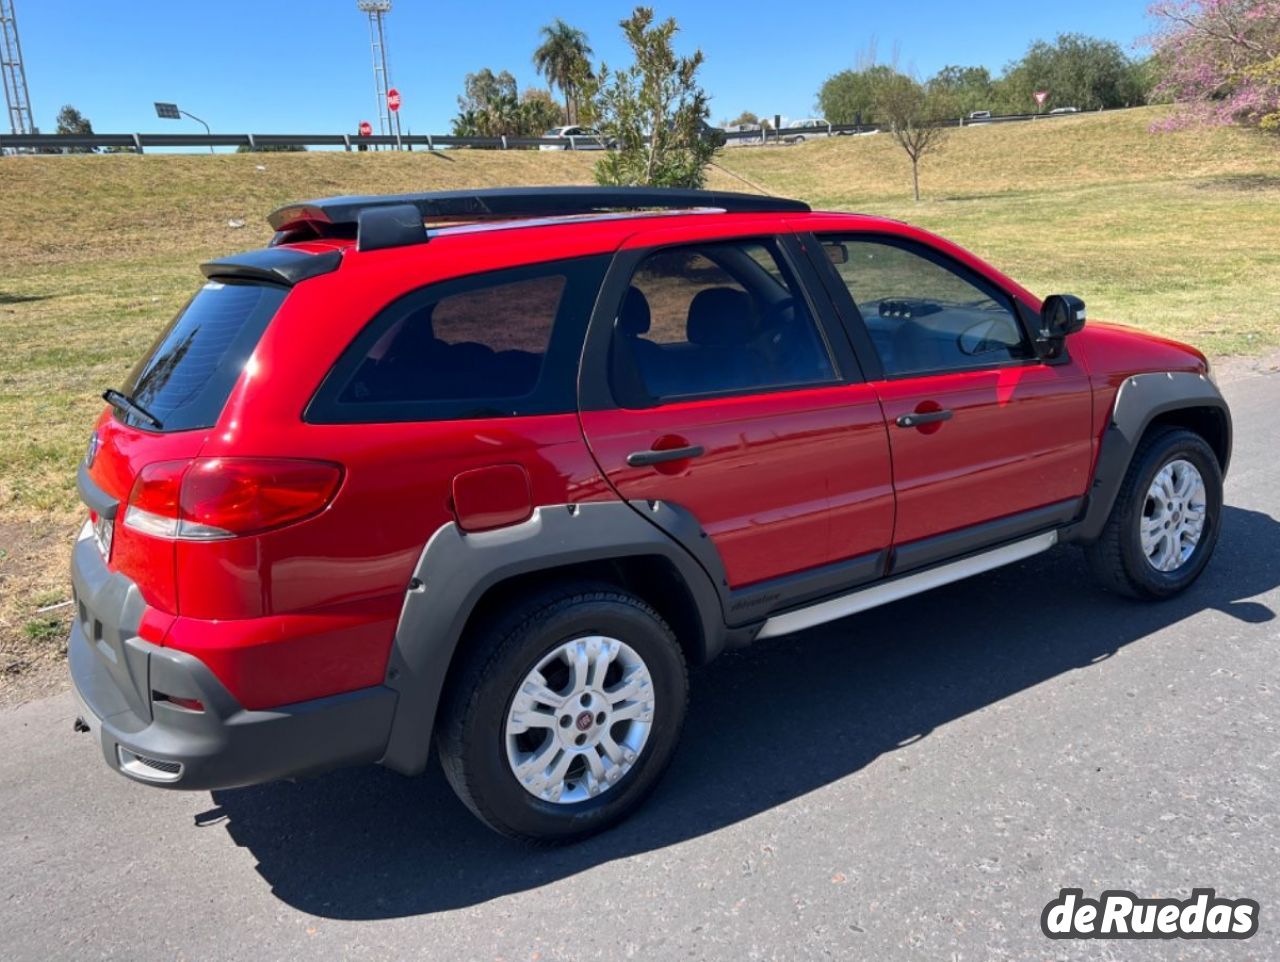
(304, 66)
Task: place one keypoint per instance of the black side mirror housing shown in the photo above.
(1060, 315)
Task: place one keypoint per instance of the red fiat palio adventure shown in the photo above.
(489, 469)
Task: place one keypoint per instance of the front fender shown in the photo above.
(1141, 399)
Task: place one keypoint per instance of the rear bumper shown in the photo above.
(114, 673)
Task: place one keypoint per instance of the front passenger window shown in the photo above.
(922, 315)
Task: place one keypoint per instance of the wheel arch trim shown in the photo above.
(456, 569)
(1140, 401)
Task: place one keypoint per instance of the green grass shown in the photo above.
(1176, 233)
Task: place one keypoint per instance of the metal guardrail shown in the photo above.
(140, 142)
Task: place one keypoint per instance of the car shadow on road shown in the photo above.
(766, 725)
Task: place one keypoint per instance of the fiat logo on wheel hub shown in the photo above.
(584, 721)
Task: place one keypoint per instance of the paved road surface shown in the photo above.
(915, 782)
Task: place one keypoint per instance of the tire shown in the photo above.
(488, 699)
(1118, 558)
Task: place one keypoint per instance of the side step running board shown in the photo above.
(913, 584)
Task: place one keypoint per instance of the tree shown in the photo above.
(849, 97)
(1078, 71)
(654, 111)
(71, 121)
(539, 112)
(746, 117)
(914, 116)
(968, 87)
(563, 58)
(1221, 61)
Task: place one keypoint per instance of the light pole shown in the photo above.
(171, 112)
(388, 120)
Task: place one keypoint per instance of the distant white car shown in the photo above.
(808, 129)
(980, 115)
(1065, 110)
(590, 138)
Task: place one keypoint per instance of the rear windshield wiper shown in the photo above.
(122, 402)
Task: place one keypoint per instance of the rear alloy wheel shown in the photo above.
(564, 713)
(580, 719)
(1165, 521)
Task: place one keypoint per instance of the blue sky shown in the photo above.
(291, 66)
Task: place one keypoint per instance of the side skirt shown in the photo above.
(905, 586)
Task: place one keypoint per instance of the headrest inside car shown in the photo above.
(633, 319)
(720, 316)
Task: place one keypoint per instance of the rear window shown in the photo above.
(187, 376)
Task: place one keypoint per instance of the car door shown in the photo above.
(712, 383)
(989, 441)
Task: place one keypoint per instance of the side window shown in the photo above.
(481, 346)
(714, 319)
(922, 315)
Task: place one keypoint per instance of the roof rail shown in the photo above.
(394, 220)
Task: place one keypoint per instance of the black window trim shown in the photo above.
(595, 388)
(553, 392)
(856, 327)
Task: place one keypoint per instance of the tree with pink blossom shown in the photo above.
(1221, 61)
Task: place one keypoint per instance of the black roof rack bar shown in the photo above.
(338, 215)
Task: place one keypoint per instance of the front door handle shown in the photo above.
(640, 459)
(917, 418)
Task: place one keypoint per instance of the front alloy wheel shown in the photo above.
(1165, 521)
(1173, 515)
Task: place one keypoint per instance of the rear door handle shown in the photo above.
(640, 459)
(917, 418)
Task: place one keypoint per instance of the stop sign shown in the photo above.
(366, 128)
(393, 99)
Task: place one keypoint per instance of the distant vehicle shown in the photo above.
(1065, 110)
(980, 115)
(811, 127)
(745, 134)
(591, 138)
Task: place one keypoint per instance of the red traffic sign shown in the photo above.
(366, 129)
(1041, 96)
(393, 99)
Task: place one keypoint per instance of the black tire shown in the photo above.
(471, 733)
(1116, 558)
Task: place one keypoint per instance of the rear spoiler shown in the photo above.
(274, 265)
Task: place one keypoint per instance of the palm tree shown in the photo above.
(562, 56)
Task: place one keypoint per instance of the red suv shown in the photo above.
(492, 467)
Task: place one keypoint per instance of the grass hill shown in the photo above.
(1179, 233)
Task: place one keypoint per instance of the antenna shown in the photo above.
(376, 9)
(15, 77)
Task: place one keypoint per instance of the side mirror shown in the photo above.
(1060, 315)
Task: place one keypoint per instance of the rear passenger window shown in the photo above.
(714, 319)
(483, 346)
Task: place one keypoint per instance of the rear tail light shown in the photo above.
(205, 499)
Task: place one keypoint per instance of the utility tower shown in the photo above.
(377, 9)
(15, 77)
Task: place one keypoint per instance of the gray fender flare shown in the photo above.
(1141, 399)
(457, 568)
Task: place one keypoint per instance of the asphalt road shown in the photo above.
(914, 782)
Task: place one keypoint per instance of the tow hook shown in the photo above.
(81, 725)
